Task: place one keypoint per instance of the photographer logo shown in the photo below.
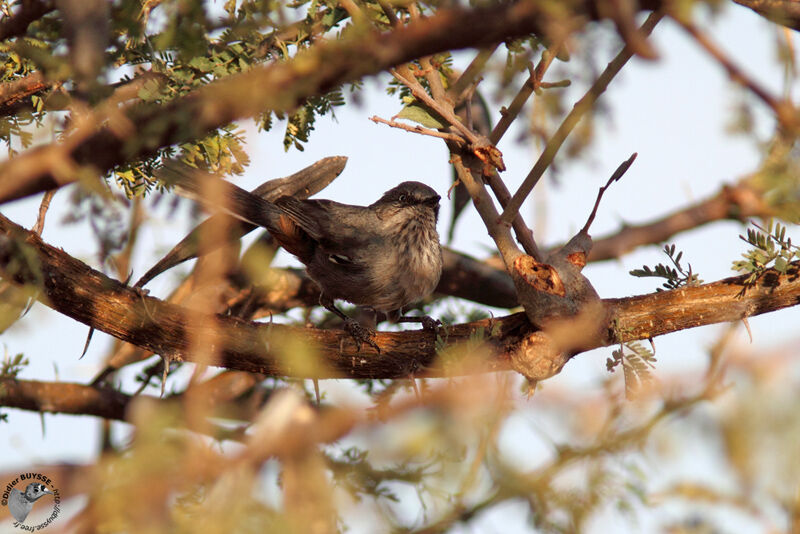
(25, 491)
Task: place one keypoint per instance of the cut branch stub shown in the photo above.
(489, 154)
(540, 276)
(556, 288)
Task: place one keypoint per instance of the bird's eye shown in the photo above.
(402, 198)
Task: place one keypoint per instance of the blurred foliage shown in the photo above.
(166, 49)
(408, 455)
(12, 365)
(637, 363)
(779, 177)
(428, 464)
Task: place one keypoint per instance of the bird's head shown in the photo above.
(35, 490)
(414, 197)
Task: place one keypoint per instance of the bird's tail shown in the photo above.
(218, 194)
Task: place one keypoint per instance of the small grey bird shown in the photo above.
(384, 256)
(20, 504)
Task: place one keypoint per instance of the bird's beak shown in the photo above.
(433, 201)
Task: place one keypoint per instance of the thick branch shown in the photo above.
(280, 86)
(30, 11)
(656, 314)
(72, 288)
(63, 397)
(78, 399)
(783, 12)
(12, 93)
(462, 276)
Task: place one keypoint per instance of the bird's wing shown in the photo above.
(310, 215)
(338, 228)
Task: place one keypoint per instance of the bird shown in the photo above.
(384, 256)
(20, 503)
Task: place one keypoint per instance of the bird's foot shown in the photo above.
(430, 324)
(361, 334)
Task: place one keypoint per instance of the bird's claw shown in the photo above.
(430, 324)
(361, 334)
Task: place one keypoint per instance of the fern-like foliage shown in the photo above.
(636, 361)
(675, 276)
(11, 366)
(770, 248)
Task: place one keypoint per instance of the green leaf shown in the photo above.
(201, 63)
(417, 113)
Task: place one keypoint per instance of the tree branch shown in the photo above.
(570, 121)
(18, 23)
(783, 12)
(785, 112)
(72, 288)
(736, 202)
(508, 115)
(78, 399)
(63, 397)
(12, 93)
(462, 277)
(280, 86)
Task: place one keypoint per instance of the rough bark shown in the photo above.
(72, 288)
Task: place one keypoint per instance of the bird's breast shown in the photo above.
(411, 271)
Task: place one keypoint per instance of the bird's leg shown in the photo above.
(359, 334)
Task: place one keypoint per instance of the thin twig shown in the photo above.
(470, 75)
(501, 192)
(533, 82)
(486, 209)
(432, 74)
(356, 15)
(784, 111)
(621, 170)
(419, 129)
(420, 94)
(521, 230)
(571, 120)
(388, 10)
(555, 85)
(38, 228)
